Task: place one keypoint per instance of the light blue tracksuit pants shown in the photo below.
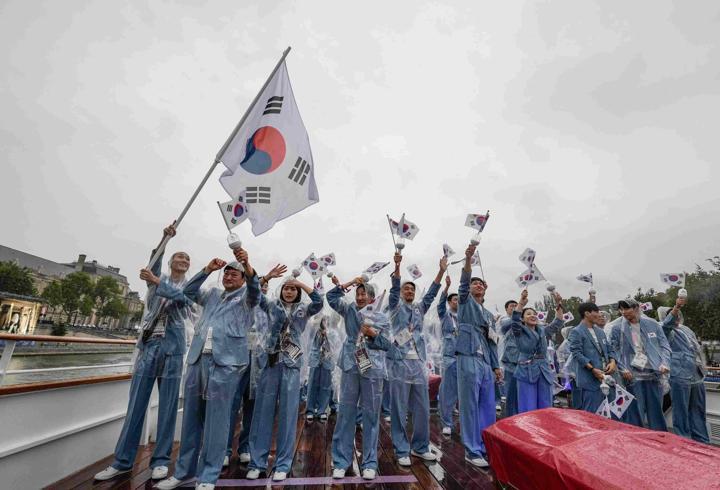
(356, 389)
(319, 390)
(278, 386)
(153, 364)
(209, 393)
(415, 399)
(448, 391)
(647, 407)
(386, 406)
(476, 397)
(242, 396)
(688, 405)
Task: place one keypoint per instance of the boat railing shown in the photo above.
(12, 340)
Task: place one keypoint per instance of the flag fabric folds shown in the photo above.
(585, 278)
(414, 271)
(477, 221)
(376, 267)
(269, 158)
(447, 250)
(314, 266)
(530, 276)
(527, 257)
(404, 228)
(234, 211)
(673, 278)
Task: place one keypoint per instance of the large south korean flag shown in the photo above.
(269, 158)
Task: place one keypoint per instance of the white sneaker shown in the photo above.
(404, 461)
(338, 473)
(447, 431)
(169, 484)
(368, 474)
(226, 461)
(205, 486)
(386, 418)
(108, 473)
(323, 416)
(309, 416)
(456, 411)
(279, 476)
(428, 456)
(159, 472)
(479, 462)
(244, 457)
(253, 474)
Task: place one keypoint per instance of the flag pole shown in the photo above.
(163, 243)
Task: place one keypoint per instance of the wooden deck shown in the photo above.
(312, 463)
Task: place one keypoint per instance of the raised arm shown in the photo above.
(435, 286)
(394, 299)
(517, 313)
(187, 295)
(335, 299)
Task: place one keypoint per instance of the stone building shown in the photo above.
(44, 271)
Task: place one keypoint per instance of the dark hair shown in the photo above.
(297, 297)
(473, 279)
(411, 283)
(451, 296)
(509, 302)
(526, 309)
(587, 308)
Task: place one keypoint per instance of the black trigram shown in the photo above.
(274, 104)
(300, 171)
(255, 195)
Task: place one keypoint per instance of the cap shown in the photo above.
(628, 303)
(235, 265)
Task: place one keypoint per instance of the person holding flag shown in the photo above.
(217, 357)
(161, 347)
(644, 355)
(246, 392)
(593, 358)
(477, 363)
(447, 313)
(362, 361)
(509, 358)
(279, 383)
(534, 377)
(687, 373)
(407, 358)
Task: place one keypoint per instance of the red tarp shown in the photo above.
(562, 448)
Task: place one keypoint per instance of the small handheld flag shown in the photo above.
(328, 259)
(314, 267)
(414, 271)
(530, 276)
(622, 401)
(585, 278)
(477, 222)
(673, 278)
(646, 306)
(235, 211)
(604, 409)
(376, 267)
(542, 316)
(447, 250)
(527, 257)
(567, 317)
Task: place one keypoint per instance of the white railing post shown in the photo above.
(5, 359)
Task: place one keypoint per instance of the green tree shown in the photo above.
(115, 308)
(15, 279)
(72, 294)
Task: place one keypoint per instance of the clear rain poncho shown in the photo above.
(166, 327)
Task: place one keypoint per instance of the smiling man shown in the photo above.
(161, 347)
(217, 357)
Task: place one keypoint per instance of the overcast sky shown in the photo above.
(589, 129)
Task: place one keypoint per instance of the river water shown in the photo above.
(55, 360)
